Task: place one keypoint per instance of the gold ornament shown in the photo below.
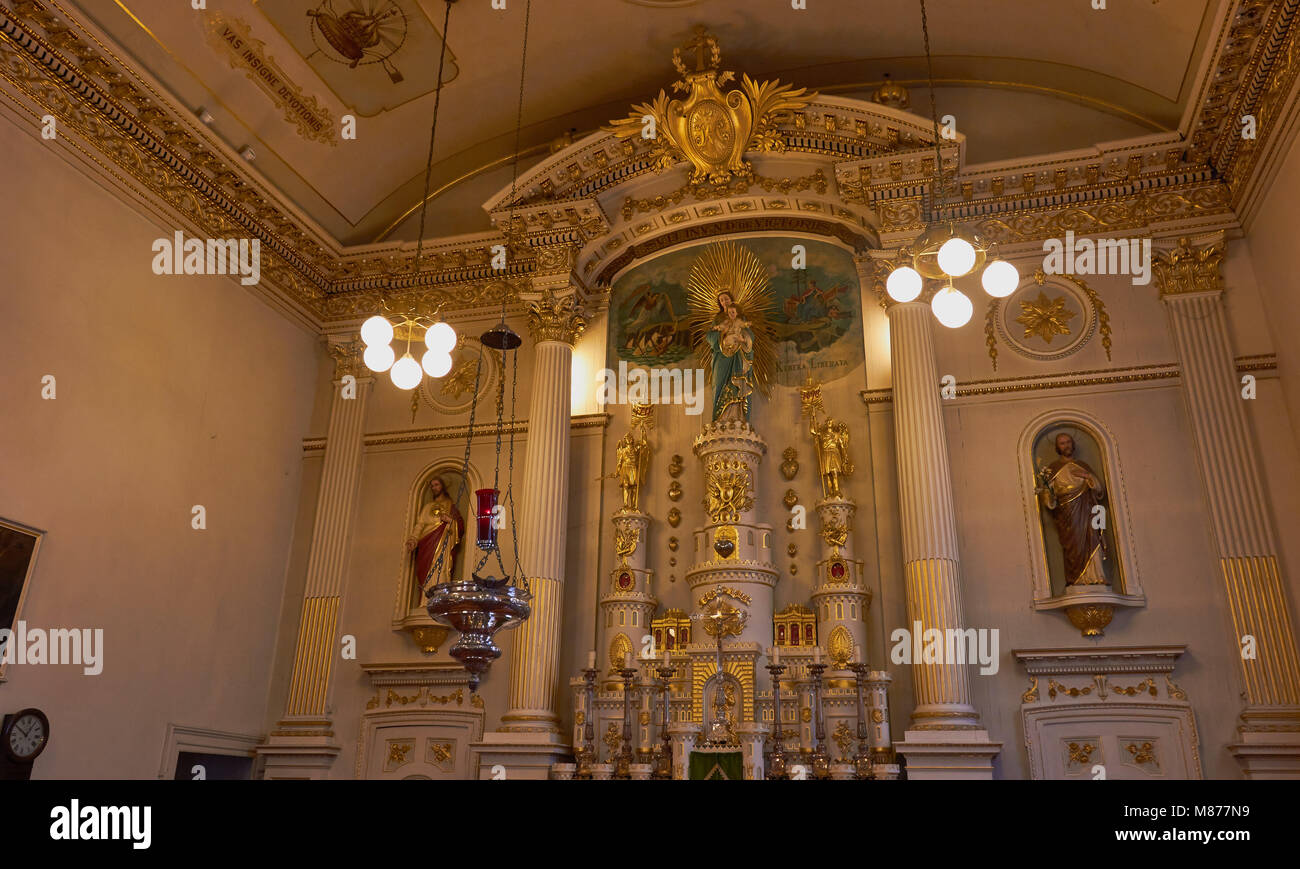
(674, 491)
(675, 516)
(831, 439)
(672, 544)
(727, 490)
(1090, 619)
(792, 550)
(835, 534)
(675, 467)
(1045, 317)
(843, 737)
(717, 590)
(710, 129)
(790, 499)
(625, 542)
(790, 463)
(724, 541)
(618, 651)
(840, 647)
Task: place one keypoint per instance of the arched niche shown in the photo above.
(408, 608)
(1095, 445)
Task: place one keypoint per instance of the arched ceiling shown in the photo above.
(1082, 75)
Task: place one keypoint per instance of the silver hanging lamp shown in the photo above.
(480, 606)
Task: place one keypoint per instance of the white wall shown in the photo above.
(172, 391)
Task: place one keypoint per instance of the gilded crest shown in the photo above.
(710, 129)
(727, 490)
(841, 647)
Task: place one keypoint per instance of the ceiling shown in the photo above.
(1021, 76)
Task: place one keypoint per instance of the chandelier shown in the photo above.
(480, 606)
(378, 333)
(947, 250)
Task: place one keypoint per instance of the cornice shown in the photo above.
(874, 161)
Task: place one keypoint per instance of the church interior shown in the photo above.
(802, 389)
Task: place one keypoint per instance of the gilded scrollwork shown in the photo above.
(555, 317)
(728, 489)
(709, 129)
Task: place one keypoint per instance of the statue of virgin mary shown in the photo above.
(729, 304)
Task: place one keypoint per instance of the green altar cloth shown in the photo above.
(717, 765)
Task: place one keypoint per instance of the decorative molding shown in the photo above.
(1190, 269)
(454, 432)
(879, 155)
(1079, 379)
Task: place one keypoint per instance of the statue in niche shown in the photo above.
(437, 536)
(730, 303)
(1071, 492)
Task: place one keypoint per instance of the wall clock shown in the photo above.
(24, 735)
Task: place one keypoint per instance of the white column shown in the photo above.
(529, 740)
(302, 745)
(1192, 292)
(543, 518)
(945, 740)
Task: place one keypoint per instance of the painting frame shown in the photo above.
(10, 528)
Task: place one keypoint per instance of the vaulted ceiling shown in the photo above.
(1021, 77)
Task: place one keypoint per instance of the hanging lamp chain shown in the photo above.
(433, 132)
(519, 125)
(936, 186)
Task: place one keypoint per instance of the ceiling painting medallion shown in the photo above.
(709, 129)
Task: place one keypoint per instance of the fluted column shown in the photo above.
(1192, 293)
(555, 324)
(945, 740)
(303, 742)
(930, 556)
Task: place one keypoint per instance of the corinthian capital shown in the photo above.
(1190, 269)
(346, 350)
(556, 316)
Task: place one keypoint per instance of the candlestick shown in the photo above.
(777, 766)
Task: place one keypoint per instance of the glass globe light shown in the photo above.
(436, 363)
(952, 307)
(405, 372)
(440, 338)
(1000, 279)
(379, 357)
(903, 284)
(376, 330)
(956, 257)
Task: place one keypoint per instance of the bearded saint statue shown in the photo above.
(436, 538)
(1069, 490)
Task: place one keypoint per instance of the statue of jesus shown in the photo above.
(1069, 491)
(436, 538)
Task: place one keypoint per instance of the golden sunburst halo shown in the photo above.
(732, 268)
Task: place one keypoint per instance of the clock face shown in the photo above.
(26, 736)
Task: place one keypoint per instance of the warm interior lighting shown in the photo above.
(379, 357)
(436, 363)
(405, 372)
(440, 338)
(952, 307)
(956, 256)
(903, 284)
(375, 331)
(1000, 279)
